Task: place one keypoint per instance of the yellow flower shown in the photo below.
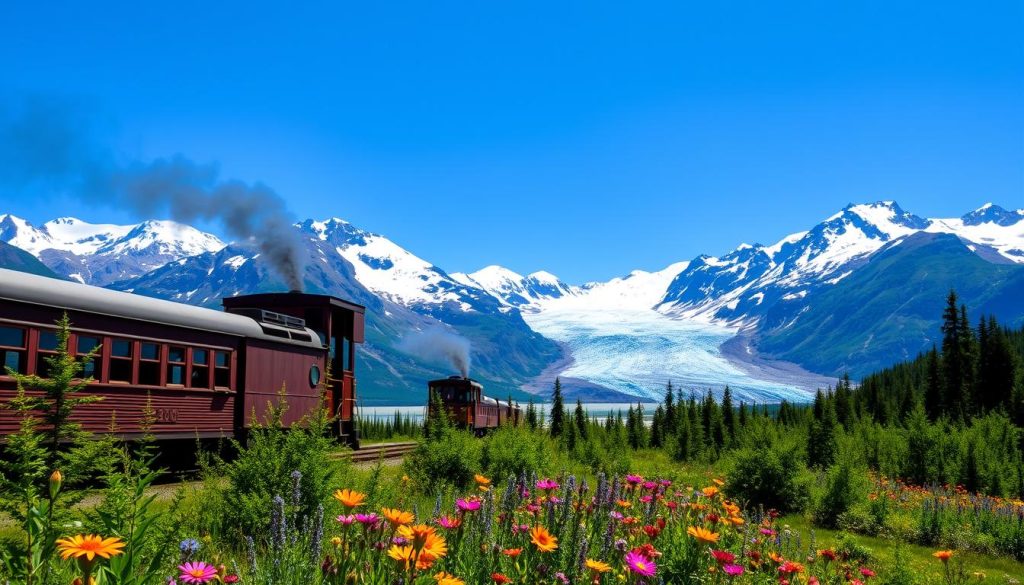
(89, 546)
(710, 491)
(349, 498)
(597, 566)
(403, 555)
(336, 541)
(543, 539)
(425, 539)
(702, 534)
(397, 517)
(481, 480)
(443, 578)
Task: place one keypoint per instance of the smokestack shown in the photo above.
(53, 145)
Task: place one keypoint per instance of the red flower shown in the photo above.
(866, 572)
(723, 557)
(499, 578)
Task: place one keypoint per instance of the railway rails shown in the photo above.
(369, 453)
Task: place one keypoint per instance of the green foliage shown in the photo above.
(513, 450)
(265, 465)
(845, 488)
(557, 422)
(774, 478)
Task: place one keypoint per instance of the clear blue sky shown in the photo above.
(584, 138)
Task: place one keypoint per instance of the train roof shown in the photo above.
(451, 379)
(40, 290)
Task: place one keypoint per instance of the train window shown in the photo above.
(176, 366)
(47, 346)
(12, 350)
(87, 344)
(149, 364)
(222, 369)
(200, 369)
(121, 361)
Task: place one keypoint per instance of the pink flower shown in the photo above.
(467, 505)
(732, 570)
(616, 515)
(197, 573)
(447, 522)
(367, 520)
(633, 479)
(547, 484)
(767, 532)
(346, 520)
(646, 499)
(866, 572)
(640, 564)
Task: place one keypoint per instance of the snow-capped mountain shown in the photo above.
(104, 253)
(741, 287)
(515, 290)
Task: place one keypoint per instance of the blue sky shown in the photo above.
(583, 138)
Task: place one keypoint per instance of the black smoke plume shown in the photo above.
(54, 146)
(438, 344)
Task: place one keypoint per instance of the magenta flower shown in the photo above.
(346, 520)
(616, 515)
(633, 479)
(650, 485)
(640, 564)
(666, 482)
(399, 540)
(547, 484)
(767, 532)
(732, 570)
(198, 573)
(467, 505)
(448, 522)
(367, 519)
(646, 499)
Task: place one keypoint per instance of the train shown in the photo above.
(193, 373)
(467, 406)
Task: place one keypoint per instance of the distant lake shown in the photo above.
(598, 410)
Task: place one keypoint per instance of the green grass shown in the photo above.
(923, 564)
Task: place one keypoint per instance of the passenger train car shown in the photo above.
(467, 407)
(206, 373)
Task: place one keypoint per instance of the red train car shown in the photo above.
(467, 407)
(206, 373)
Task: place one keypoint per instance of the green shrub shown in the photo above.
(512, 450)
(293, 463)
(844, 488)
(447, 458)
(770, 477)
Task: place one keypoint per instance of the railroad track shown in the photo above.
(378, 451)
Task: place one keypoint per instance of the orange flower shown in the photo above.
(500, 579)
(702, 534)
(597, 566)
(718, 482)
(943, 555)
(89, 546)
(710, 491)
(481, 480)
(349, 498)
(624, 503)
(512, 552)
(737, 520)
(543, 539)
(397, 517)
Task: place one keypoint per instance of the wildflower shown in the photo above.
(336, 541)
(467, 505)
(640, 564)
(403, 555)
(89, 546)
(500, 579)
(723, 557)
(481, 480)
(866, 572)
(561, 577)
(367, 519)
(425, 540)
(650, 485)
(718, 482)
(346, 520)
(397, 517)
(443, 578)
(790, 567)
(231, 579)
(597, 566)
(943, 555)
(350, 498)
(702, 534)
(449, 522)
(623, 503)
(189, 546)
(512, 552)
(710, 491)
(827, 554)
(197, 573)
(543, 539)
(56, 479)
(634, 480)
(547, 484)
(732, 570)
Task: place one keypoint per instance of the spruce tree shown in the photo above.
(580, 419)
(531, 415)
(933, 387)
(670, 410)
(954, 400)
(557, 424)
(728, 416)
(658, 427)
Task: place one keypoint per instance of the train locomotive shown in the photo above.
(467, 407)
(201, 373)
